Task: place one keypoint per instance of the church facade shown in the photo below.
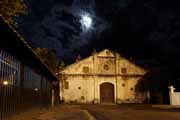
(104, 77)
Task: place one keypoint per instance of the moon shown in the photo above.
(86, 21)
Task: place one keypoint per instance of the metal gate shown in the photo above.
(20, 87)
(9, 82)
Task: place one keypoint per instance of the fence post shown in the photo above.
(52, 98)
(41, 92)
(20, 91)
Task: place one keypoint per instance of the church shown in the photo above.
(104, 77)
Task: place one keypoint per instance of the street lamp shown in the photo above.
(5, 83)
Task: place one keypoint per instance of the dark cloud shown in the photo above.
(138, 29)
(56, 25)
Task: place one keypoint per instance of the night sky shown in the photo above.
(146, 31)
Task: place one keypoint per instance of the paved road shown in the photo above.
(132, 112)
(103, 112)
(62, 112)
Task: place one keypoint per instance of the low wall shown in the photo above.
(175, 98)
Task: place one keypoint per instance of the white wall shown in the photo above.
(80, 90)
(174, 96)
(89, 82)
(89, 91)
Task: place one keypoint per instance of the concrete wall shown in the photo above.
(174, 96)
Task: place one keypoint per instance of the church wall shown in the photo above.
(85, 67)
(105, 66)
(120, 89)
(131, 69)
(130, 92)
(85, 77)
(81, 89)
(87, 89)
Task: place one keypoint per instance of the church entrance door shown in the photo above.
(107, 93)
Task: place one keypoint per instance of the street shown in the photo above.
(102, 112)
(133, 112)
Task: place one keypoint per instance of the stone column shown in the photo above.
(95, 78)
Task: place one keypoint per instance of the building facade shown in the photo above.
(104, 77)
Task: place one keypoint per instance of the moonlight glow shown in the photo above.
(86, 21)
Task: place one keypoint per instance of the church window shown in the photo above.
(123, 70)
(106, 67)
(66, 85)
(85, 69)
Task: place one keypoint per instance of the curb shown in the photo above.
(89, 115)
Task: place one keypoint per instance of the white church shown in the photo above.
(104, 77)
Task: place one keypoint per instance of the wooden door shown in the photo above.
(107, 93)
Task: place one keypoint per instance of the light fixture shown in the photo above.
(5, 83)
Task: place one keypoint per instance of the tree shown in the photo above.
(12, 8)
(61, 66)
(48, 57)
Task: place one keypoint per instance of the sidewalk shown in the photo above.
(57, 113)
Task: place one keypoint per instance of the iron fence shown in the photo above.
(21, 87)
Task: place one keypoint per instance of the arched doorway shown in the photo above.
(107, 93)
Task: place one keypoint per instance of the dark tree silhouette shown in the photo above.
(12, 8)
